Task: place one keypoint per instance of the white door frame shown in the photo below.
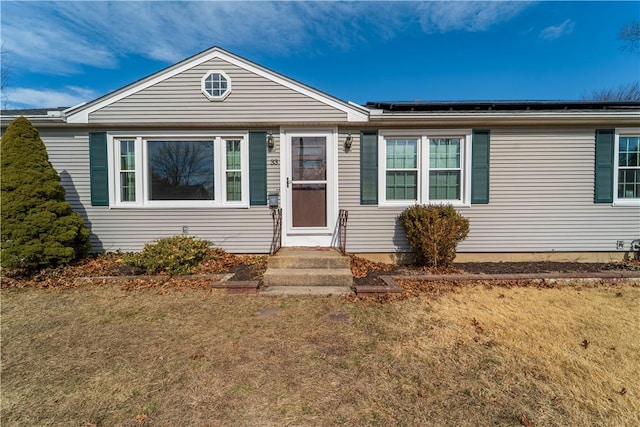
(308, 236)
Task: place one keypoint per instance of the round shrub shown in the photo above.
(171, 255)
(39, 228)
(433, 232)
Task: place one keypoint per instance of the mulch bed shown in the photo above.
(247, 269)
(367, 273)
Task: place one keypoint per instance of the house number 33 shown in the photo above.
(275, 162)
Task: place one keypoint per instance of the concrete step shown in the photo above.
(294, 261)
(306, 258)
(307, 277)
(305, 290)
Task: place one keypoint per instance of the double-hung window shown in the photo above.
(424, 167)
(179, 171)
(402, 169)
(627, 163)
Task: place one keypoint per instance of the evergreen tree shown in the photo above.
(39, 228)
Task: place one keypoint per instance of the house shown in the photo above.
(200, 146)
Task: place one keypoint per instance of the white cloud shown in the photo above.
(35, 98)
(439, 17)
(62, 37)
(555, 31)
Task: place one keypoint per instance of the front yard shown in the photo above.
(468, 355)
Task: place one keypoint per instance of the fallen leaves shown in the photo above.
(524, 421)
(361, 267)
(111, 264)
(476, 324)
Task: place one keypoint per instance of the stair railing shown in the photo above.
(343, 216)
(276, 240)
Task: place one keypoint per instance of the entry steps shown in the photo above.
(307, 271)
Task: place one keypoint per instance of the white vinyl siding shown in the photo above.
(179, 99)
(541, 199)
(241, 230)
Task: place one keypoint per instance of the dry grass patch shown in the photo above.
(478, 356)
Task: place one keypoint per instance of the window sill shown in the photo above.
(172, 207)
(628, 203)
(456, 204)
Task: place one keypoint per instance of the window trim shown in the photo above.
(209, 96)
(423, 136)
(142, 169)
(616, 160)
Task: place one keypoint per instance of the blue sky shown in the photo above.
(64, 53)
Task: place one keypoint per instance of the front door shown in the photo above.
(309, 188)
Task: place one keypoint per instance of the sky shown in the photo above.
(59, 54)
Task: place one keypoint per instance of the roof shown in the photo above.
(34, 112)
(444, 106)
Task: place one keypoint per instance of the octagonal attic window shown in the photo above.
(216, 85)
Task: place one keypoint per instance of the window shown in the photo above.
(186, 171)
(627, 176)
(402, 169)
(426, 167)
(233, 170)
(216, 85)
(444, 168)
(180, 170)
(127, 170)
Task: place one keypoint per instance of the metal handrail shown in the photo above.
(276, 240)
(343, 216)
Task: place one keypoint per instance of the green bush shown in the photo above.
(433, 233)
(172, 255)
(39, 228)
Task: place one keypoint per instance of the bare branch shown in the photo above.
(630, 34)
(628, 92)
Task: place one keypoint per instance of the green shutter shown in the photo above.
(603, 188)
(99, 173)
(257, 168)
(480, 149)
(369, 168)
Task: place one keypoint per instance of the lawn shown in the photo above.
(472, 355)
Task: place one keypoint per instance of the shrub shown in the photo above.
(433, 233)
(172, 255)
(39, 228)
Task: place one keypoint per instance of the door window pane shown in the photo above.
(309, 158)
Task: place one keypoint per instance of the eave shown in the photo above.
(505, 118)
